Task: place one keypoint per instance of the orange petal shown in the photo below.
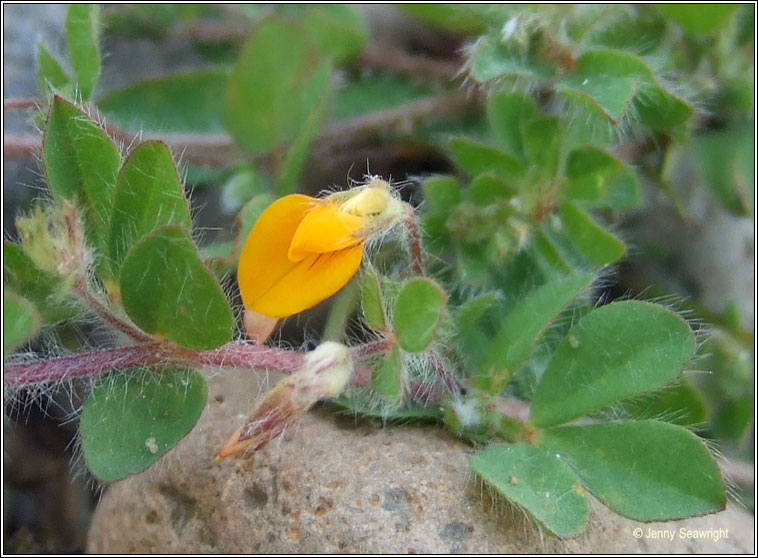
(308, 282)
(263, 260)
(325, 228)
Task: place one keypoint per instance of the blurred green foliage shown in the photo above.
(577, 106)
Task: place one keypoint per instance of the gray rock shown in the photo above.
(334, 485)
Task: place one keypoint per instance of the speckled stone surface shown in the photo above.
(330, 485)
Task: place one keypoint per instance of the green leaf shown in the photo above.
(377, 91)
(175, 103)
(478, 158)
(507, 112)
(417, 313)
(732, 364)
(243, 186)
(44, 289)
(699, 18)
(646, 470)
(598, 245)
(523, 326)
(81, 164)
(83, 35)
(660, 109)
(387, 379)
(587, 125)
(615, 81)
(474, 328)
(543, 138)
(486, 189)
(541, 483)
(617, 351)
(21, 321)
(298, 151)
(604, 63)
(148, 195)
(623, 192)
(50, 74)
(589, 171)
(441, 194)
(492, 59)
(726, 160)
(341, 310)
(633, 28)
(277, 81)
(608, 96)
(223, 256)
(364, 402)
(336, 29)
(373, 306)
(469, 313)
(131, 419)
(733, 419)
(678, 404)
(142, 21)
(556, 248)
(200, 176)
(169, 293)
(548, 254)
(249, 214)
(458, 17)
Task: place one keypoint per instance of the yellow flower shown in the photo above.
(302, 250)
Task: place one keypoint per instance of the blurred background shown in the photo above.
(403, 82)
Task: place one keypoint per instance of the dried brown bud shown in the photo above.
(324, 374)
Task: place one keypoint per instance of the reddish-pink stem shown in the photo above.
(81, 365)
(245, 355)
(233, 355)
(20, 146)
(12, 104)
(102, 311)
(414, 241)
(427, 392)
(447, 377)
(367, 349)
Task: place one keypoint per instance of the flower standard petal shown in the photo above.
(263, 260)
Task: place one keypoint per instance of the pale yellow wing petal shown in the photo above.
(325, 228)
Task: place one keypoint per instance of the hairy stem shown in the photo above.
(414, 241)
(448, 378)
(245, 355)
(13, 104)
(82, 365)
(109, 317)
(232, 355)
(372, 348)
(20, 146)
